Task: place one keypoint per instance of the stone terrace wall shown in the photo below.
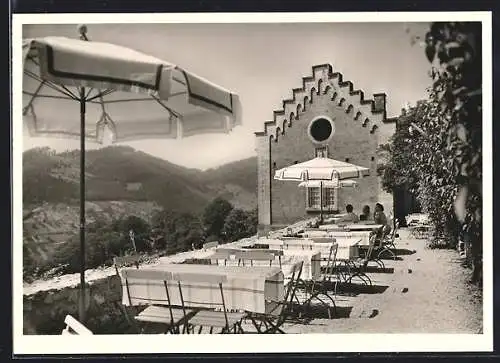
(44, 312)
(44, 309)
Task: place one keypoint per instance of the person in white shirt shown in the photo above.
(350, 216)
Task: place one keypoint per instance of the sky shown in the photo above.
(262, 63)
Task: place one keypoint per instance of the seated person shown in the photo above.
(350, 216)
(380, 218)
(365, 216)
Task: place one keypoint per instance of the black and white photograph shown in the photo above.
(322, 179)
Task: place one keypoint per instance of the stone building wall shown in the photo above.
(360, 126)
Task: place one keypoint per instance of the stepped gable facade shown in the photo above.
(326, 116)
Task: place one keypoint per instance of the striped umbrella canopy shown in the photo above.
(321, 170)
(77, 88)
(134, 95)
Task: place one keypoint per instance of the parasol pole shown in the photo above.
(82, 29)
(81, 313)
(321, 201)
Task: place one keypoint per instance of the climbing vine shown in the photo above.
(455, 50)
(442, 161)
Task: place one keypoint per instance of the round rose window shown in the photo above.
(321, 129)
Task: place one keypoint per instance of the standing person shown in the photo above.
(350, 216)
(379, 217)
(365, 216)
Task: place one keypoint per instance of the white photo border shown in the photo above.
(289, 343)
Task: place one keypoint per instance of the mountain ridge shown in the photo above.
(122, 173)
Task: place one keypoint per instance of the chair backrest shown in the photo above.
(392, 234)
(74, 327)
(208, 245)
(221, 254)
(374, 239)
(138, 280)
(273, 251)
(124, 261)
(146, 274)
(332, 260)
(229, 250)
(290, 288)
(296, 270)
(186, 278)
(255, 255)
(198, 277)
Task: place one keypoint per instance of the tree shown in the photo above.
(141, 231)
(240, 224)
(178, 232)
(456, 49)
(214, 216)
(102, 243)
(396, 171)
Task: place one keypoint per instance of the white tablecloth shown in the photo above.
(248, 288)
(348, 246)
(350, 227)
(364, 236)
(311, 257)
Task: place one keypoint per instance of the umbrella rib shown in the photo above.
(89, 92)
(34, 95)
(124, 100)
(49, 84)
(173, 112)
(45, 96)
(32, 58)
(69, 91)
(101, 94)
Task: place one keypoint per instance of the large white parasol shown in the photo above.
(77, 88)
(321, 170)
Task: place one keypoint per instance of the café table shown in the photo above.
(311, 257)
(253, 289)
(350, 227)
(287, 243)
(348, 246)
(363, 235)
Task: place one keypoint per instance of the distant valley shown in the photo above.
(119, 181)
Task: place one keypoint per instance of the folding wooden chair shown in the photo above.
(256, 255)
(358, 266)
(74, 327)
(320, 286)
(120, 262)
(221, 254)
(387, 243)
(271, 322)
(170, 316)
(372, 255)
(229, 322)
